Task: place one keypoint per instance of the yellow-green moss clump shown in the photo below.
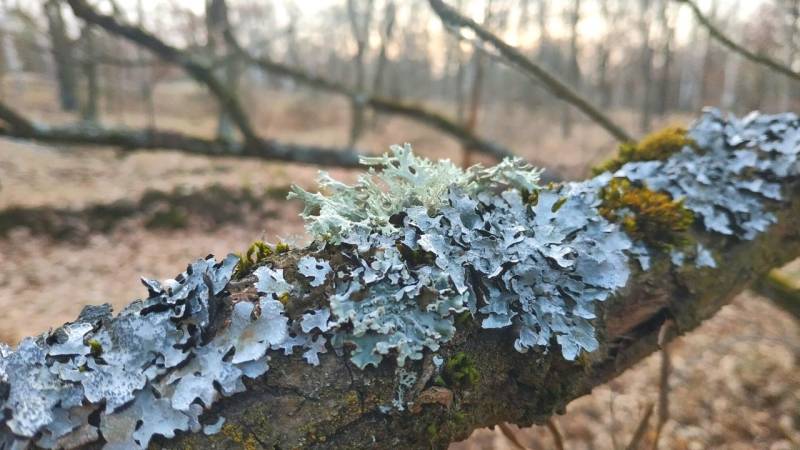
(257, 253)
(653, 217)
(658, 145)
(459, 371)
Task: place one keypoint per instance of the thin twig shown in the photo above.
(641, 429)
(511, 436)
(663, 386)
(380, 104)
(453, 20)
(204, 74)
(154, 139)
(758, 58)
(558, 439)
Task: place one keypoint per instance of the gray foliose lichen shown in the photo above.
(416, 244)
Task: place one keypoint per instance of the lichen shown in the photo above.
(728, 184)
(541, 265)
(656, 146)
(403, 180)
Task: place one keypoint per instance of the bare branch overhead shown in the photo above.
(453, 20)
(758, 58)
(200, 72)
(154, 139)
(378, 103)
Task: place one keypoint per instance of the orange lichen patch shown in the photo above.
(658, 145)
(650, 216)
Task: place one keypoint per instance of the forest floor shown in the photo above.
(735, 381)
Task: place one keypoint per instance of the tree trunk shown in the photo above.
(646, 64)
(665, 82)
(89, 108)
(389, 17)
(147, 81)
(729, 86)
(360, 21)
(383, 57)
(573, 68)
(790, 48)
(62, 55)
(705, 62)
(216, 22)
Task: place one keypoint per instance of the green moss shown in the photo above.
(432, 431)
(658, 145)
(646, 215)
(459, 372)
(257, 253)
(558, 204)
(464, 319)
(95, 348)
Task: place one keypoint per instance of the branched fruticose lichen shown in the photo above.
(403, 180)
(403, 253)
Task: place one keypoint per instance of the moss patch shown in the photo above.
(459, 372)
(653, 217)
(658, 145)
(256, 254)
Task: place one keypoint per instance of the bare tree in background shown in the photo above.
(88, 43)
(667, 29)
(61, 46)
(476, 88)
(705, 62)
(603, 51)
(790, 10)
(573, 73)
(387, 31)
(733, 62)
(147, 81)
(216, 22)
(460, 75)
(646, 66)
(360, 15)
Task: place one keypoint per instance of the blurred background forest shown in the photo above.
(83, 215)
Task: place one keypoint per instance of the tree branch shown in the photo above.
(378, 103)
(454, 20)
(723, 39)
(202, 73)
(781, 291)
(482, 379)
(153, 139)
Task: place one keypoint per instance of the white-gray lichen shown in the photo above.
(403, 180)
(417, 244)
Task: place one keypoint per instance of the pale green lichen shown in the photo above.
(401, 180)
